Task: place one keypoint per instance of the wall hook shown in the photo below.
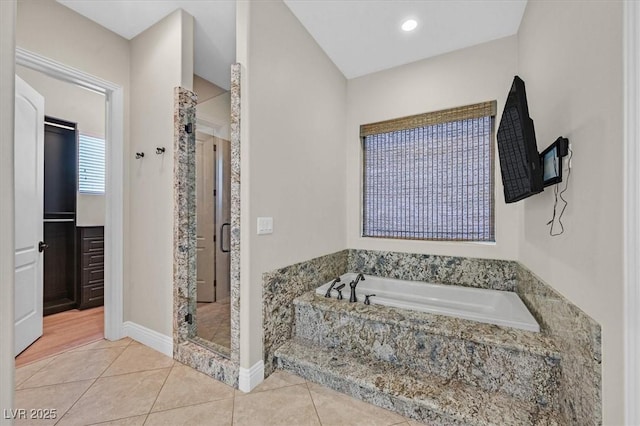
(139, 155)
(160, 150)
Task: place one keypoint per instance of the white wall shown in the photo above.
(571, 60)
(159, 58)
(296, 101)
(72, 103)
(476, 74)
(7, 102)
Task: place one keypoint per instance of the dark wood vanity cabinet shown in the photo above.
(91, 266)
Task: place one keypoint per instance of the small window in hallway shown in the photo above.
(91, 165)
(430, 176)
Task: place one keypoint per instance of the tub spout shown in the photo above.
(353, 285)
(335, 281)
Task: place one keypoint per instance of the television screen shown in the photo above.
(517, 149)
(551, 159)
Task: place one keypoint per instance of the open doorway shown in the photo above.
(74, 215)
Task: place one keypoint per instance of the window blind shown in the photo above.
(91, 165)
(432, 182)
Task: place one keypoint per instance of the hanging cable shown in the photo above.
(560, 195)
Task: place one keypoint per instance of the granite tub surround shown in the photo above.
(518, 363)
(471, 272)
(579, 339)
(281, 287)
(415, 394)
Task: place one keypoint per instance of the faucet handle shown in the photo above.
(366, 298)
(339, 290)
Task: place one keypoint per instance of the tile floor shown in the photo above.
(126, 383)
(214, 322)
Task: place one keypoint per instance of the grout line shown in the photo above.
(233, 406)
(76, 401)
(160, 391)
(313, 402)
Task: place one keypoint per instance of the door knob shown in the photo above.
(42, 246)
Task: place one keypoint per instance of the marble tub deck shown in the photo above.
(472, 331)
(416, 362)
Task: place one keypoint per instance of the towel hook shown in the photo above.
(160, 150)
(139, 155)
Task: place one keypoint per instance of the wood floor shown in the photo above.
(64, 331)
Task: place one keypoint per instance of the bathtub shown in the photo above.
(489, 306)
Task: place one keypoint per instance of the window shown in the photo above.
(91, 165)
(430, 176)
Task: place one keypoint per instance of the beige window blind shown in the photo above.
(430, 176)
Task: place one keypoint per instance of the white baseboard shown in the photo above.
(249, 378)
(148, 337)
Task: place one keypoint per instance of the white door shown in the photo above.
(205, 225)
(29, 182)
(223, 218)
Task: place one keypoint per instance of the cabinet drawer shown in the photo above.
(93, 245)
(92, 276)
(92, 259)
(92, 296)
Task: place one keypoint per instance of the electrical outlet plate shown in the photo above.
(265, 225)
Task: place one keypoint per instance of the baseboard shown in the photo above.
(148, 337)
(249, 378)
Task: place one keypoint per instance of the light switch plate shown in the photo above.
(265, 225)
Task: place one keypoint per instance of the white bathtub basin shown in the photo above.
(489, 306)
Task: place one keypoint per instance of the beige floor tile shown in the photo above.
(103, 344)
(129, 421)
(335, 408)
(26, 371)
(218, 413)
(279, 379)
(137, 357)
(73, 367)
(186, 386)
(58, 397)
(117, 397)
(291, 405)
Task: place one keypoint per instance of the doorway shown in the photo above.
(73, 217)
(114, 199)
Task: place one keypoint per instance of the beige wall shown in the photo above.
(571, 60)
(217, 112)
(7, 102)
(68, 102)
(158, 58)
(476, 74)
(296, 103)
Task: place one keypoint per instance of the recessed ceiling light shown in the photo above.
(409, 25)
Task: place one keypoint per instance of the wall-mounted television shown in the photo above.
(517, 149)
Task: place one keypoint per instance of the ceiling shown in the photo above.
(214, 35)
(359, 36)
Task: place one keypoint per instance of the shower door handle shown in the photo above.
(222, 238)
